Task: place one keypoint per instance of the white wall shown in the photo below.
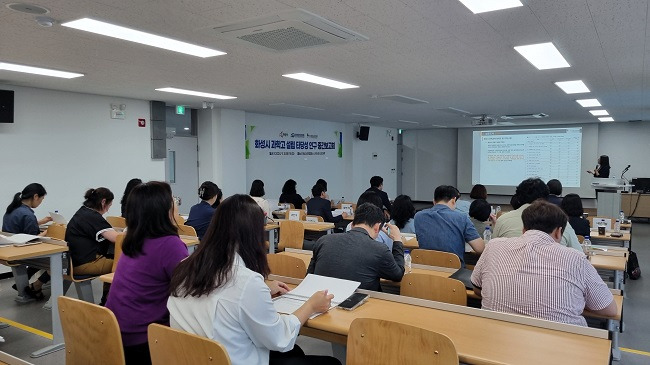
(430, 158)
(625, 144)
(67, 142)
(376, 156)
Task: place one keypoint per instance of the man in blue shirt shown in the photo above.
(442, 228)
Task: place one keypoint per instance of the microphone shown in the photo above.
(624, 171)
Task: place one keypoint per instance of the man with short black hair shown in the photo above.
(555, 191)
(355, 255)
(319, 205)
(377, 185)
(535, 276)
(510, 223)
(442, 228)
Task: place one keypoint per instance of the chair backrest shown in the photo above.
(304, 206)
(116, 222)
(56, 231)
(91, 333)
(376, 341)
(581, 239)
(295, 214)
(285, 265)
(186, 230)
(179, 220)
(432, 287)
(314, 218)
(171, 346)
(435, 258)
(292, 234)
(118, 250)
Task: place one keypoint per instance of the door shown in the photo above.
(182, 171)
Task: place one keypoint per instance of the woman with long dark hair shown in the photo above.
(602, 168)
(20, 218)
(129, 186)
(402, 214)
(150, 253)
(290, 195)
(572, 206)
(219, 292)
(201, 214)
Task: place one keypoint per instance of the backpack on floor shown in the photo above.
(633, 269)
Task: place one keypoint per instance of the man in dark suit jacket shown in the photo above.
(318, 205)
(377, 185)
(555, 190)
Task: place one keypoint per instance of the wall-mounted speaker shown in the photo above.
(363, 133)
(6, 106)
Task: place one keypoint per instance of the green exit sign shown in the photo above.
(180, 109)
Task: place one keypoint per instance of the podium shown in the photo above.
(609, 196)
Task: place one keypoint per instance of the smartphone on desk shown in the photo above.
(353, 301)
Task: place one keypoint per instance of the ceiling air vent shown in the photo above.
(287, 30)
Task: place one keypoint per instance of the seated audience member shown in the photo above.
(290, 196)
(374, 199)
(480, 214)
(510, 224)
(572, 206)
(356, 255)
(535, 276)
(129, 186)
(150, 253)
(201, 214)
(441, 228)
(377, 185)
(478, 192)
(88, 235)
(219, 292)
(514, 202)
(322, 183)
(319, 205)
(257, 193)
(555, 191)
(403, 213)
(20, 218)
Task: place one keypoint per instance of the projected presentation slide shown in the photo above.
(506, 157)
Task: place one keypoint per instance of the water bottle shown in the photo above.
(407, 261)
(621, 216)
(487, 235)
(497, 210)
(586, 245)
(492, 210)
(617, 225)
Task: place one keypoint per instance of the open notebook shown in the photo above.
(17, 239)
(290, 302)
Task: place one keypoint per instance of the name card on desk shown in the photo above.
(311, 219)
(294, 215)
(603, 222)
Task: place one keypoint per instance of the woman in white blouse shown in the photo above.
(219, 292)
(257, 193)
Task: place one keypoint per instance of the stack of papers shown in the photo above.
(17, 239)
(290, 302)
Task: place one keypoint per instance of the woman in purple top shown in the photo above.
(150, 253)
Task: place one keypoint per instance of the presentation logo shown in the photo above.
(283, 134)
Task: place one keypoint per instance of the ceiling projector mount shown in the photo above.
(479, 120)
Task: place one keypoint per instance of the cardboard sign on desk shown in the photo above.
(603, 221)
(294, 215)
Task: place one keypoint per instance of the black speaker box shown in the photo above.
(6, 106)
(363, 133)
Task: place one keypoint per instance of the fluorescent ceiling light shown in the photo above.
(544, 56)
(365, 116)
(408, 121)
(573, 87)
(606, 119)
(186, 128)
(38, 70)
(482, 6)
(438, 126)
(132, 35)
(195, 93)
(598, 113)
(588, 103)
(320, 80)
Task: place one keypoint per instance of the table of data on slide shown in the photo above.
(509, 156)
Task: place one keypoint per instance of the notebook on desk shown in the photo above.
(465, 276)
(291, 301)
(58, 218)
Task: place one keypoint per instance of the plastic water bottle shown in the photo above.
(617, 225)
(586, 245)
(407, 261)
(487, 234)
(621, 216)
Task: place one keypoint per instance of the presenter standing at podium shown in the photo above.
(602, 168)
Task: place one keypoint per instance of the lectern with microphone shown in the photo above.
(609, 194)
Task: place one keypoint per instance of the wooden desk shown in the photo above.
(271, 227)
(480, 337)
(616, 264)
(608, 240)
(55, 254)
(107, 278)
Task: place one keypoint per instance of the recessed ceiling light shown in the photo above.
(320, 80)
(588, 103)
(482, 6)
(606, 119)
(438, 126)
(295, 106)
(544, 56)
(408, 121)
(598, 113)
(187, 128)
(365, 116)
(573, 87)
(132, 35)
(38, 71)
(195, 93)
